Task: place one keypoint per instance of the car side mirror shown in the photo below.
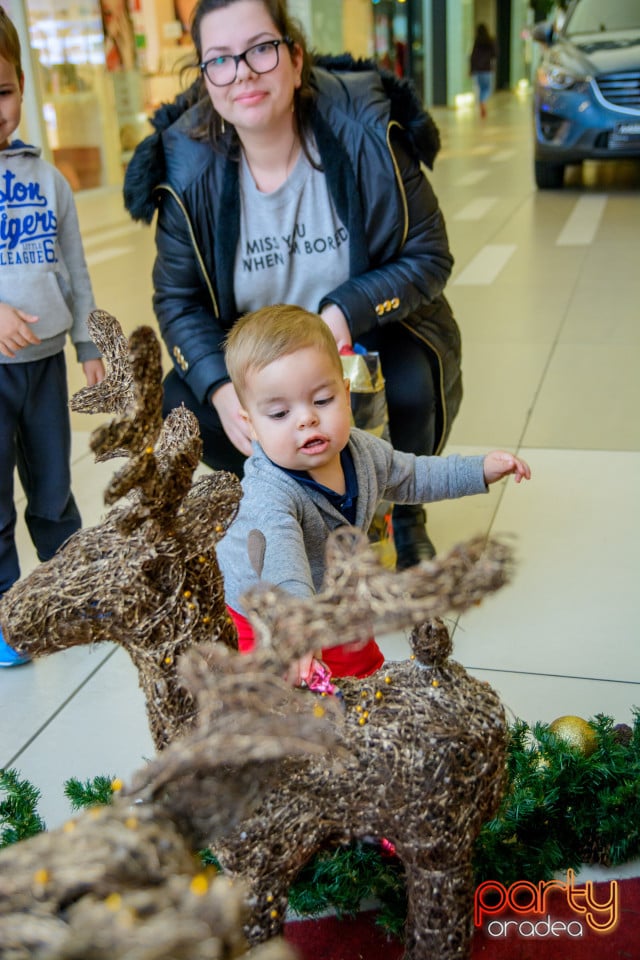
(544, 33)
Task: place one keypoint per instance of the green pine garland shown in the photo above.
(90, 793)
(19, 816)
(561, 808)
(343, 879)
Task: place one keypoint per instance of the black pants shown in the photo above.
(35, 437)
(410, 398)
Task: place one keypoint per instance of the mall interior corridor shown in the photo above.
(546, 288)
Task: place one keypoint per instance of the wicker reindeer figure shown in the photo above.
(419, 746)
(121, 881)
(147, 577)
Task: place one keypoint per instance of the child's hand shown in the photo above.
(93, 371)
(499, 464)
(300, 670)
(15, 332)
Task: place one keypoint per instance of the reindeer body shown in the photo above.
(425, 748)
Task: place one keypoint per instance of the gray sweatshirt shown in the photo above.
(42, 265)
(296, 519)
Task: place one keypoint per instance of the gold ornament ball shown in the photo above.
(576, 732)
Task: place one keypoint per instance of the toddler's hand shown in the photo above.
(300, 670)
(499, 464)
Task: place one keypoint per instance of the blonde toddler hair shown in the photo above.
(261, 337)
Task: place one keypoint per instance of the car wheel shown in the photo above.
(549, 176)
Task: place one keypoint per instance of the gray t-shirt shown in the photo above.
(293, 247)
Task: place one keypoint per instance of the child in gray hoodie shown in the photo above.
(45, 294)
(311, 471)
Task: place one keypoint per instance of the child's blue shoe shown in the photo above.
(9, 657)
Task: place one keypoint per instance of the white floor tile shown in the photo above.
(569, 609)
(102, 730)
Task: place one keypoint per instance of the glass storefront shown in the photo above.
(89, 61)
(398, 38)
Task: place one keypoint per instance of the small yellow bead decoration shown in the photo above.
(412, 657)
(41, 877)
(113, 902)
(191, 606)
(364, 694)
(318, 711)
(273, 914)
(359, 709)
(186, 594)
(206, 619)
(199, 885)
(69, 826)
(435, 683)
(362, 721)
(168, 660)
(116, 785)
(131, 823)
(387, 679)
(148, 451)
(202, 559)
(379, 694)
(269, 898)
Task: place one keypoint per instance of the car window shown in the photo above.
(598, 16)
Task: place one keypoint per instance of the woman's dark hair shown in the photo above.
(482, 34)
(211, 127)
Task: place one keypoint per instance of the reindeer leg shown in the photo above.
(268, 853)
(440, 908)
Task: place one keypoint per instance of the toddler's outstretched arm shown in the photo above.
(499, 464)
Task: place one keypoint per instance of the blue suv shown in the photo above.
(587, 90)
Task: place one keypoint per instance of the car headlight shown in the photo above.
(556, 78)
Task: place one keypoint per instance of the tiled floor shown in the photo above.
(546, 289)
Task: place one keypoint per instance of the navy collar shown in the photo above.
(344, 502)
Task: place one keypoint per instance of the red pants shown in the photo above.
(342, 661)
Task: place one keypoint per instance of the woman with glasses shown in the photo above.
(281, 180)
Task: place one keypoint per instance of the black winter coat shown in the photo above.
(373, 138)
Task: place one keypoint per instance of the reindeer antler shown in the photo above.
(358, 591)
(116, 392)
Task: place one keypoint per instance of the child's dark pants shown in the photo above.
(35, 437)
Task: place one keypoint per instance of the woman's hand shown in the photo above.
(337, 323)
(499, 464)
(225, 400)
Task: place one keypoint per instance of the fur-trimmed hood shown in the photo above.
(406, 108)
(147, 168)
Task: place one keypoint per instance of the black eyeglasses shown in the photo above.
(261, 58)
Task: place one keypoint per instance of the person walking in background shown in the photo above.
(278, 179)
(45, 293)
(482, 65)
